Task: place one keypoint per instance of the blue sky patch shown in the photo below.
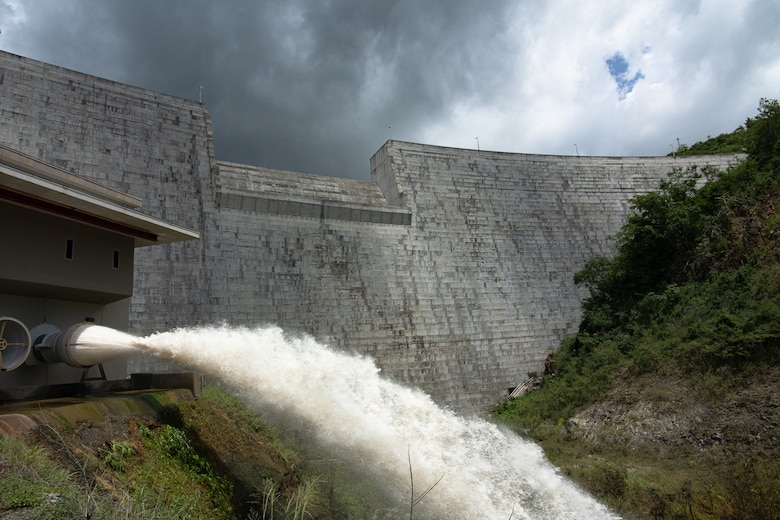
(619, 70)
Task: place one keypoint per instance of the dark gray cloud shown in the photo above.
(313, 86)
(319, 85)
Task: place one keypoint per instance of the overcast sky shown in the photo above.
(318, 86)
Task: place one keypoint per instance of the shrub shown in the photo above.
(117, 457)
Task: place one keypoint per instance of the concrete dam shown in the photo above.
(452, 268)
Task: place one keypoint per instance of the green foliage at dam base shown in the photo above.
(665, 405)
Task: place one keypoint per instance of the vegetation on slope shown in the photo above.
(94, 461)
(173, 457)
(742, 139)
(664, 404)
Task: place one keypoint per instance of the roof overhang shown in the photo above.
(43, 187)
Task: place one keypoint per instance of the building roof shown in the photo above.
(44, 187)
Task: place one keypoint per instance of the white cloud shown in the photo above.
(695, 81)
(12, 17)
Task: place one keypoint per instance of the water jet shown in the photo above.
(83, 345)
(383, 428)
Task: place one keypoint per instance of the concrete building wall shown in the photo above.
(452, 268)
(155, 147)
(54, 248)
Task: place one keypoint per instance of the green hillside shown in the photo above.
(665, 403)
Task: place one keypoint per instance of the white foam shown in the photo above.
(487, 472)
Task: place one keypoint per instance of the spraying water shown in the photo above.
(93, 344)
(393, 430)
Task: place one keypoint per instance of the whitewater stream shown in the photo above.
(482, 470)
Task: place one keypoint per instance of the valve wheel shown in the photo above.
(14, 343)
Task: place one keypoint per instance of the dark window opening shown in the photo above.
(116, 259)
(69, 249)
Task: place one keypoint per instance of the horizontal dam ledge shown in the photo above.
(320, 187)
(288, 185)
(325, 210)
(432, 149)
(268, 191)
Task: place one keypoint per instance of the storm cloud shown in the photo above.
(319, 86)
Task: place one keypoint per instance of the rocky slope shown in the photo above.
(664, 412)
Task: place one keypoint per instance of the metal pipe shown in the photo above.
(84, 345)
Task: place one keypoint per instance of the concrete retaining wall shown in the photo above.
(452, 268)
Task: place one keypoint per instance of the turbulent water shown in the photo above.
(485, 472)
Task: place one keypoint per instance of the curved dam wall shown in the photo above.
(452, 268)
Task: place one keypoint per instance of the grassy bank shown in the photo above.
(166, 455)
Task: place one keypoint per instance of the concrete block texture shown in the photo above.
(451, 268)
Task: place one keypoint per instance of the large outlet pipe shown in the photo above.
(84, 345)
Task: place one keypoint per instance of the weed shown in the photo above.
(270, 495)
(607, 479)
(118, 456)
(298, 504)
(294, 507)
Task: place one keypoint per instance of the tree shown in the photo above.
(764, 141)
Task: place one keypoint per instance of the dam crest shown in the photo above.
(452, 268)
